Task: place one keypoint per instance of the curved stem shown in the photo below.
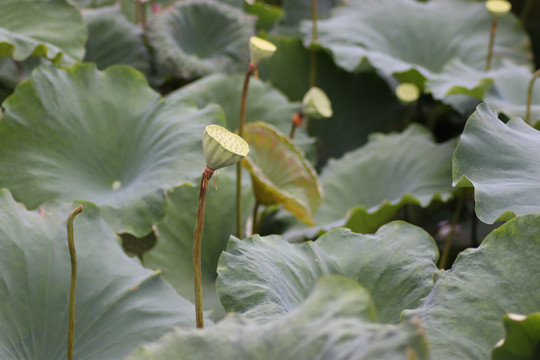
(314, 18)
(314, 38)
(474, 226)
(525, 11)
(529, 96)
(407, 115)
(197, 240)
(138, 12)
(313, 69)
(143, 15)
(293, 129)
(73, 284)
(492, 32)
(19, 67)
(251, 69)
(450, 236)
(297, 120)
(254, 223)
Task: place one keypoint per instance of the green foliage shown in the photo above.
(411, 40)
(409, 167)
(104, 104)
(52, 29)
(522, 341)
(483, 285)
(101, 143)
(113, 40)
(336, 321)
(500, 161)
(119, 303)
(266, 277)
(188, 47)
(280, 174)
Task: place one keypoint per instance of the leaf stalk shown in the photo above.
(73, 283)
(252, 68)
(529, 96)
(448, 244)
(197, 240)
(494, 24)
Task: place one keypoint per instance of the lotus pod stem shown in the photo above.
(73, 283)
(497, 8)
(197, 239)
(297, 120)
(251, 69)
(529, 97)
(221, 148)
(494, 24)
(313, 52)
(448, 242)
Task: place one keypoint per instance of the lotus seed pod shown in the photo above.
(316, 105)
(498, 8)
(260, 49)
(222, 148)
(407, 92)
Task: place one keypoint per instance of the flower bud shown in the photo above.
(316, 104)
(498, 8)
(222, 148)
(407, 92)
(260, 49)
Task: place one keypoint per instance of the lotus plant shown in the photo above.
(315, 105)
(407, 93)
(497, 8)
(221, 148)
(259, 50)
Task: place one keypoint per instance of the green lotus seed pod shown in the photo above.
(407, 92)
(222, 148)
(316, 105)
(498, 8)
(260, 49)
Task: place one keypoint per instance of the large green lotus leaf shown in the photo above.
(371, 183)
(195, 38)
(265, 277)
(113, 40)
(104, 137)
(500, 161)
(335, 322)
(50, 28)
(459, 79)
(280, 173)
(119, 305)
(173, 253)
(408, 38)
(264, 103)
(509, 95)
(362, 102)
(522, 340)
(462, 314)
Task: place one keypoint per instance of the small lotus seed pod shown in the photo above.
(260, 49)
(407, 92)
(222, 148)
(498, 8)
(316, 105)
